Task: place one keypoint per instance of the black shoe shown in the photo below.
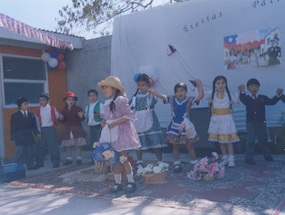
(67, 162)
(268, 158)
(177, 168)
(79, 162)
(116, 188)
(131, 187)
(249, 161)
(55, 165)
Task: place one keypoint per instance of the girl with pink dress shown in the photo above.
(123, 135)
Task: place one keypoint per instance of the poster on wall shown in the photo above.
(252, 49)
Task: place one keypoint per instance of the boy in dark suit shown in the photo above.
(255, 119)
(23, 127)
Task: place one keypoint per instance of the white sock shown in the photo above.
(79, 158)
(118, 178)
(231, 157)
(130, 178)
(69, 158)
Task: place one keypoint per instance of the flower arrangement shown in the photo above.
(103, 152)
(207, 168)
(153, 169)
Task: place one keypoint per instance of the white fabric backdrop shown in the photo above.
(142, 39)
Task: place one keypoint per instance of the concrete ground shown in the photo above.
(22, 201)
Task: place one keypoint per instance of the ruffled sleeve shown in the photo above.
(122, 108)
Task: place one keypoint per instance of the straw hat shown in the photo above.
(70, 94)
(111, 81)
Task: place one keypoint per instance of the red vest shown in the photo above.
(53, 118)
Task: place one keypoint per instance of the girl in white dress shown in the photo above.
(222, 127)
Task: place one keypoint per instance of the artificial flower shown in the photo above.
(152, 169)
(207, 166)
(109, 154)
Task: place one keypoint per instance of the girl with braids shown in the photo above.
(222, 128)
(151, 138)
(118, 118)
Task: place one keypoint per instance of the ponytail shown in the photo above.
(112, 104)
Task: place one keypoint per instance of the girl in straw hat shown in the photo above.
(118, 118)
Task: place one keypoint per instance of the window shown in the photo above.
(23, 77)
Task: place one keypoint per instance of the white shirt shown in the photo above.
(46, 115)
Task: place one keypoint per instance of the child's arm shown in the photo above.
(120, 121)
(163, 97)
(242, 95)
(200, 91)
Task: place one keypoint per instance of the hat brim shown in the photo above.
(75, 98)
(103, 83)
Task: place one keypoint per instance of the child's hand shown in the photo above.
(241, 88)
(60, 117)
(198, 82)
(80, 114)
(39, 137)
(112, 125)
(279, 91)
(103, 123)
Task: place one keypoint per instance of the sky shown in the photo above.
(38, 13)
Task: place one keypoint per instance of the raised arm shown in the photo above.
(163, 97)
(200, 91)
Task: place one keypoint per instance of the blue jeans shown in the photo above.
(259, 130)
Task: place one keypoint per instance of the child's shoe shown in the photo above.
(194, 162)
(139, 164)
(78, 162)
(67, 162)
(116, 188)
(177, 168)
(131, 187)
(231, 163)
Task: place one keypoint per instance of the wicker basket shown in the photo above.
(159, 178)
(207, 177)
(101, 166)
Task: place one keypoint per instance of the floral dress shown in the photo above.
(153, 138)
(222, 128)
(180, 112)
(127, 135)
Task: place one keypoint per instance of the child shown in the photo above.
(74, 134)
(23, 127)
(94, 112)
(47, 116)
(152, 138)
(255, 119)
(180, 130)
(222, 127)
(118, 118)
